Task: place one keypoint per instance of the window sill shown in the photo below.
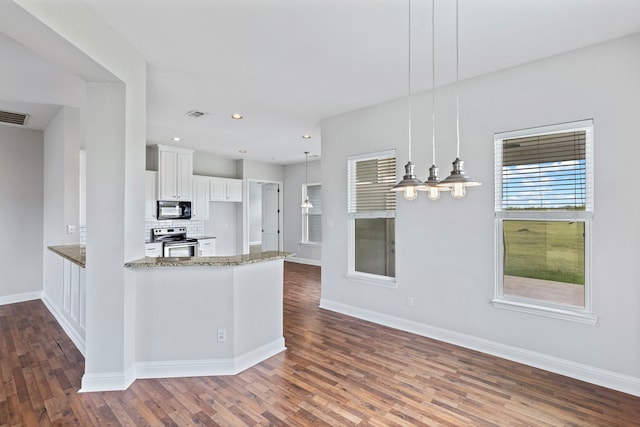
(373, 279)
(577, 315)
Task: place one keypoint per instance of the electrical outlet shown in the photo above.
(71, 229)
(222, 335)
(409, 301)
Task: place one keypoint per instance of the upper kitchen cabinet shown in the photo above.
(200, 202)
(225, 189)
(150, 195)
(175, 170)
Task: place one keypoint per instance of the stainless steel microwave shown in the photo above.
(169, 209)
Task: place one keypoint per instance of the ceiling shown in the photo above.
(287, 64)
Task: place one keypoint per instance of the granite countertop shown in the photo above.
(205, 261)
(77, 254)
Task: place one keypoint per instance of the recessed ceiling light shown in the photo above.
(176, 139)
(242, 151)
(236, 116)
(306, 136)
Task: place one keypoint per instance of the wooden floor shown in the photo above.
(336, 371)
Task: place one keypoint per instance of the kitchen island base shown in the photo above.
(207, 320)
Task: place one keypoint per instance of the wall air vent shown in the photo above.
(195, 114)
(12, 118)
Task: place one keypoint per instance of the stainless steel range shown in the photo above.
(174, 241)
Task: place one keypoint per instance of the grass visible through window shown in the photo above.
(547, 250)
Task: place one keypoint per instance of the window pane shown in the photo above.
(375, 246)
(545, 260)
(545, 172)
(314, 224)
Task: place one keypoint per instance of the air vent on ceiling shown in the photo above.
(195, 114)
(12, 118)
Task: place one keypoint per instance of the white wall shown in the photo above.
(294, 179)
(21, 189)
(445, 250)
(62, 141)
(72, 36)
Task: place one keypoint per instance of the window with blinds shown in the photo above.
(369, 181)
(546, 171)
(312, 218)
(371, 210)
(543, 206)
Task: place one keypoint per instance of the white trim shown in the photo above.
(110, 381)
(209, 367)
(67, 326)
(613, 380)
(547, 129)
(15, 298)
(307, 261)
(372, 279)
(525, 306)
(257, 242)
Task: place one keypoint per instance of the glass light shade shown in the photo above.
(409, 184)
(306, 204)
(410, 193)
(433, 193)
(458, 191)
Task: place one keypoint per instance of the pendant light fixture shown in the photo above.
(432, 183)
(409, 184)
(306, 204)
(458, 180)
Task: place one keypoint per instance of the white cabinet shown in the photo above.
(200, 197)
(207, 247)
(153, 250)
(225, 189)
(150, 195)
(175, 169)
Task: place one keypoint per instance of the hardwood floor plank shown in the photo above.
(337, 371)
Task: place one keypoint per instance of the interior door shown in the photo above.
(270, 217)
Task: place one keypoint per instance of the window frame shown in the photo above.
(530, 305)
(305, 216)
(352, 274)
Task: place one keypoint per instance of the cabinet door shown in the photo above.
(184, 176)
(200, 198)
(218, 189)
(207, 247)
(150, 196)
(153, 250)
(167, 176)
(234, 190)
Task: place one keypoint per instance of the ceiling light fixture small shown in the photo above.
(306, 204)
(236, 116)
(458, 180)
(176, 139)
(306, 136)
(242, 151)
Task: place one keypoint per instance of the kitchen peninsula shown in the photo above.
(200, 316)
(194, 316)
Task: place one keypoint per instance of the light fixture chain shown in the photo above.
(457, 91)
(409, 79)
(433, 81)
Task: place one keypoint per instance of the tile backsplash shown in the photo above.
(194, 227)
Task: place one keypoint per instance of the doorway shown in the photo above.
(264, 216)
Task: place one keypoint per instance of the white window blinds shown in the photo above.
(370, 177)
(545, 171)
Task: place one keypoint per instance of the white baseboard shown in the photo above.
(304, 261)
(66, 326)
(27, 296)
(590, 374)
(209, 367)
(112, 381)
